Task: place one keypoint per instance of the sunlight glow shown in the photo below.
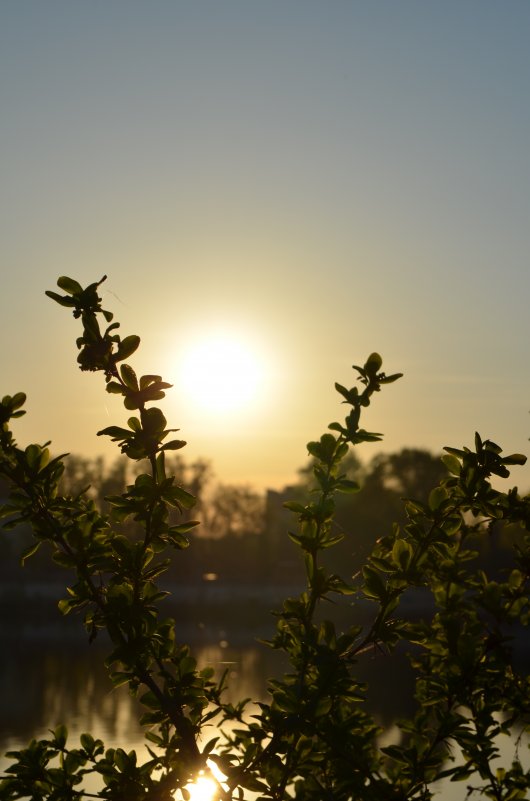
(202, 789)
(221, 374)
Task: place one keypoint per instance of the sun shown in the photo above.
(221, 374)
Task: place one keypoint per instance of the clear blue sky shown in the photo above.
(318, 179)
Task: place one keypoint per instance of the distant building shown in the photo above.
(285, 561)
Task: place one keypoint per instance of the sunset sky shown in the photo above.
(308, 181)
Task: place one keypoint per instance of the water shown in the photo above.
(49, 675)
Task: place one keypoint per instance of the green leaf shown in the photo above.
(115, 388)
(294, 506)
(60, 734)
(338, 427)
(210, 745)
(129, 377)
(60, 299)
(179, 497)
(456, 451)
(338, 585)
(18, 400)
(121, 760)
(115, 432)
(373, 363)
(88, 742)
(30, 550)
(174, 445)
(436, 498)
(345, 485)
(515, 458)
(374, 586)
(69, 285)
(154, 421)
(33, 456)
(7, 509)
(127, 347)
(183, 528)
(402, 552)
(285, 700)
(452, 464)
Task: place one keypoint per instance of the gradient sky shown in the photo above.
(320, 180)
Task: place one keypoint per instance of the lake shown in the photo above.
(50, 675)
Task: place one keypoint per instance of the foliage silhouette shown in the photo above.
(314, 739)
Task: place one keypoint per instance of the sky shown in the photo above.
(314, 181)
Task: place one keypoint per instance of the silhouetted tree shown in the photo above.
(410, 473)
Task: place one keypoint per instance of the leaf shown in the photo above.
(373, 363)
(366, 436)
(456, 451)
(294, 506)
(179, 497)
(389, 379)
(402, 552)
(183, 528)
(7, 509)
(88, 742)
(436, 498)
(60, 299)
(350, 395)
(314, 449)
(515, 458)
(18, 400)
(61, 734)
(29, 551)
(345, 485)
(115, 432)
(174, 445)
(338, 427)
(285, 700)
(127, 347)
(114, 388)
(452, 464)
(65, 605)
(338, 585)
(33, 456)
(129, 377)
(396, 753)
(210, 745)
(121, 760)
(69, 285)
(154, 421)
(374, 586)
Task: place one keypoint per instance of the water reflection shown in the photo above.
(42, 686)
(44, 682)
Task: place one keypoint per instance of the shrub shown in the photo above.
(314, 739)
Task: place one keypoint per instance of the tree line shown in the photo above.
(243, 533)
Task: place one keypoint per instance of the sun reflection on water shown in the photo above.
(204, 788)
(207, 785)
